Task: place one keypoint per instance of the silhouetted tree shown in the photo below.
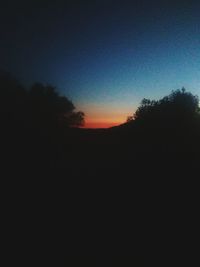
(179, 106)
(40, 106)
(75, 119)
(129, 118)
(48, 106)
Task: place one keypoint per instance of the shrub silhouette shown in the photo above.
(47, 106)
(40, 106)
(178, 107)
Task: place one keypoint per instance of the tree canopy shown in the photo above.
(47, 105)
(40, 105)
(179, 106)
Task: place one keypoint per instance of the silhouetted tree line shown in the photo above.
(167, 131)
(178, 108)
(41, 125)
(40, 106)
(128, 164)
(35, 124)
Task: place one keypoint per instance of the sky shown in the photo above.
(104, 55)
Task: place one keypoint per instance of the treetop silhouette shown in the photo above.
(40, 105)
(179, 106)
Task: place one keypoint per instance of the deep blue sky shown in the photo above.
(105, 55)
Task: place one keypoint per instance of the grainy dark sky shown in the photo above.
(105, 55)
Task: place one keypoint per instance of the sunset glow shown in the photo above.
(100, 124)
(106, 56)
(104, 115)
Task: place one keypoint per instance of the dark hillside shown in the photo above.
(146, 168)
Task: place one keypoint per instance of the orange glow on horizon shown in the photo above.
(101, 124)
(106, 122)
(101, 116)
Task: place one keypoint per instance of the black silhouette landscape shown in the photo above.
(45, 153)
(152, 158)
(101, 197)
(40, 132)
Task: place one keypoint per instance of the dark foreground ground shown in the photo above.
(129, 154)
(80, 191)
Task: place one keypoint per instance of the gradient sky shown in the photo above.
(105, 55)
